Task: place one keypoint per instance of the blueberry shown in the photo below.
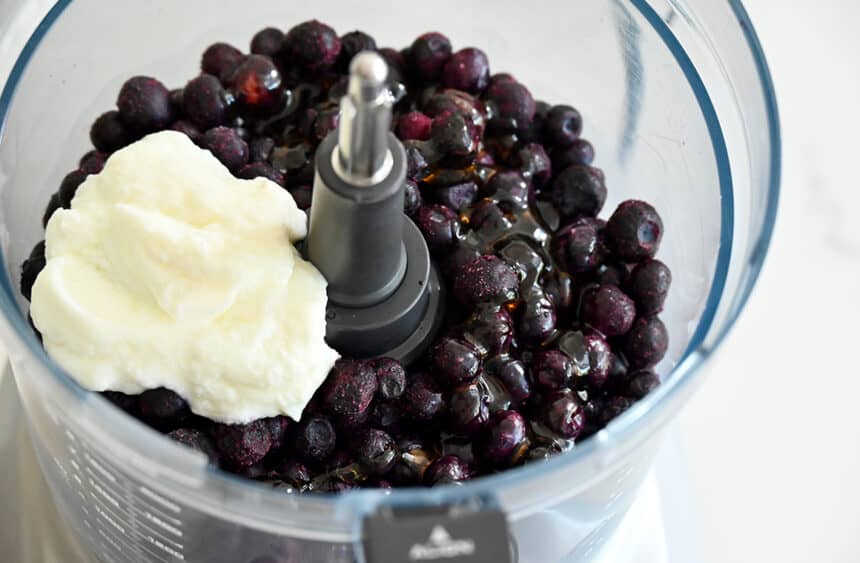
(176, 101)
(578, 247)
(221, 59)
(227, 146)
(350, 387)
(303, 196)
(608, 310)
(92, 162)
(396, 64)
(439, 225)
(646, 342)
(590, 355)
(260, 148)
(312, 46)
(447, 470)
(580, 152)
(506, 439)
(69, 186)
(455, 362)
(468, 409)
(188, 129)
(452, 135)
(375, 451)
(562, 126)
(353, 43)
(294, 472)
(206, 102)
(108, 132)
(559, 289)
(564, 414)
(487, 278)
(267, 42)
(427, 56)
(54, 203)
(385, 414)
(611, 273)
(261, 170)
(162, 407)
(412, 199)
(414, 125)
(512, 102)
(536, 318)
(634, 231)
(315, 439)
(617, 378)
(325, 122)
(422, 400)
(552, 369)
(31, 267)
(468, 70)
(243, 445)
(390, 378)
(509, 189)
(614, 407)
(197, 441)
(642, 383)
(648, 285)
(412, 463)
(489, 329)
(514, 376)
(128, 403)
(144, 104)
(416, 160)
(278, 427)
(577, 191)
(258, 86)
(534, 164)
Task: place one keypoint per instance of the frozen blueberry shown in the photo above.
(608, 310)
(69, 186)
(422, 400)
(189, 129)
(227, 146)
(611, 273)
(634, 231)
(614, 407)
(303, 196)
(506, 439)
(128, 403)
(642, 383)
(468, 409)
(396, 64)
(278, 427)
(221, 59)
(468, 70)
(487, 278)
(511, 101)
(534, 164)
(562, 126)
(452, 135)
(577, 191)
(385, 414)
(559, 289)
(261, 170)
(109, 133)
(412, 199)
(648, 285)
(416, 160)
(92, 162)
(353, 43)
(536, 318)
(457, 196)
(414, 125)
(350, 387)
(31, 267)
(312, 46)
(509, 189)
(260, 148)
(243, 445)
(439, 225)
(315, 439)
(258, 86)
(514, 376)
(54, 203)
(267, 42)
(489, 329)
(144, 104)
(580, 152)
(447, 470)
(455, 362)
(578, 247)
(552, 369)
(564, 414)
(162, 407)
(196, 440)
(390, 378)
(412, 462)
(206, 102)
(646, 342)
(375, 451)
(427, 56)
(294, 472)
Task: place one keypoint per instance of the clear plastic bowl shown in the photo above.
(679, 104)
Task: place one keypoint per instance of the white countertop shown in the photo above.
(772, 439)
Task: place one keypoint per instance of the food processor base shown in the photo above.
(657, 529)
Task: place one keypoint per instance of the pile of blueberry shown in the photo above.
(551, 327)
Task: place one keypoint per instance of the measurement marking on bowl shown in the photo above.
(71, 436)
(159, 499)
(98, 467)
(105, 494)
(162, 524)
(104, 514)
(167, 549)
(110, 540)
(146, 510)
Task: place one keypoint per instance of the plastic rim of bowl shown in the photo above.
(620, 428)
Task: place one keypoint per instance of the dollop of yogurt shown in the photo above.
(167, 271)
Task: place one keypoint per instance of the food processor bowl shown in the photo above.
(678, 102)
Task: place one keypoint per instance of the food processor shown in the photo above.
(680, 108)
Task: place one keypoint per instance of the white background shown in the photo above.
(772, 439)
